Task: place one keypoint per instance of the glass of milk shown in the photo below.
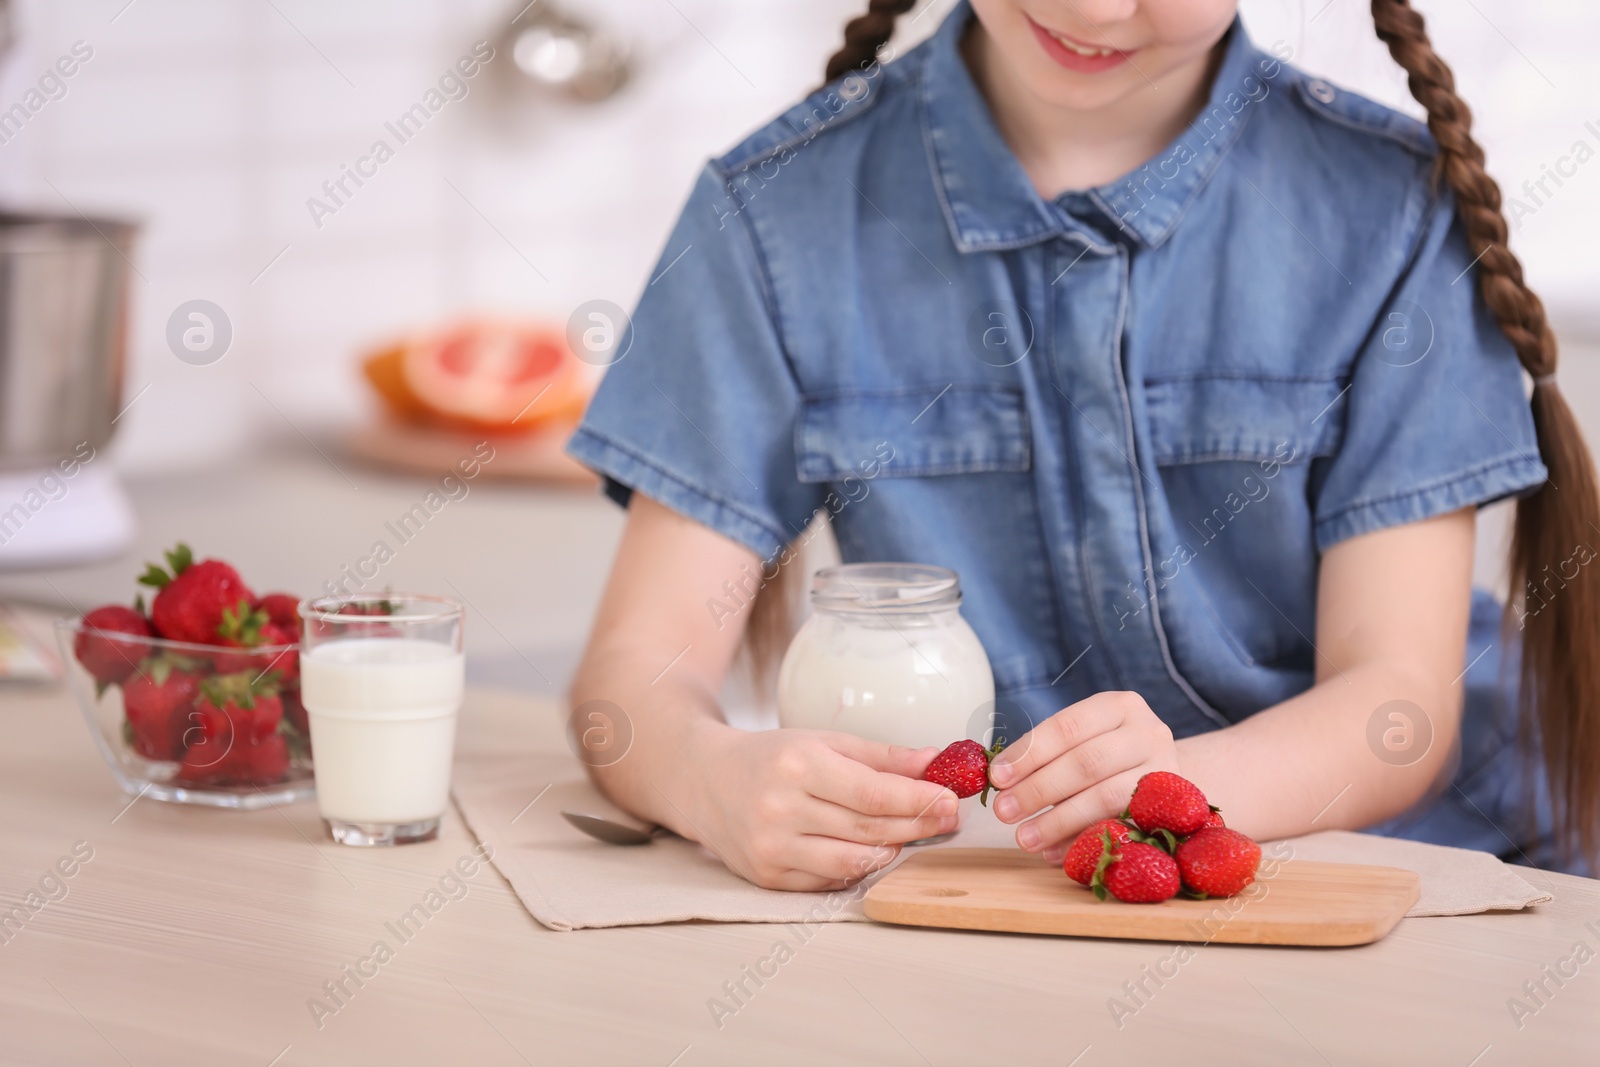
(886, 655)
(381, 678)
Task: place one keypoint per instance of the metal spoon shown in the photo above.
(615, 833)
(609, 830)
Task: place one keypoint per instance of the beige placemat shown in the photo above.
(1455, 881)
(570, 881)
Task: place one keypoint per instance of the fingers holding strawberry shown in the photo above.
(1081, 764)
(809, 810)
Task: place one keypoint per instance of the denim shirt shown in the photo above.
(1132, 417)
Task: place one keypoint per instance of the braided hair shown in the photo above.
(1561, 640)
(865, 34)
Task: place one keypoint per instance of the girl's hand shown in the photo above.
(809, 809)
(1084, 760)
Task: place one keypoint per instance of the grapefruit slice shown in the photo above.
(494, 375)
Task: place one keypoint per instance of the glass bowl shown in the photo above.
(204, 724)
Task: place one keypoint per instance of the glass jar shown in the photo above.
(886, 655)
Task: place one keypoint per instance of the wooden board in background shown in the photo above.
(1296, 902)
(536, 457)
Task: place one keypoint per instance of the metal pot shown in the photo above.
(63, 333)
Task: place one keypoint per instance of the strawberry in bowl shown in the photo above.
(196, 699)
(102, 644)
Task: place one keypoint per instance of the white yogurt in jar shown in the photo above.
(887, 656)
(383, 720)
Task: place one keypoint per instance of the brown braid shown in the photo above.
(865, 34)
(1561, 639)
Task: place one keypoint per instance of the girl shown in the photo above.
(1196, 370)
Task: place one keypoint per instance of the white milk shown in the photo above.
(383, 724)
(907, 680)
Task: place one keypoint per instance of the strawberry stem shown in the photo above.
(991, 752)
(243, 624)
(155, 577)
(1097, 881)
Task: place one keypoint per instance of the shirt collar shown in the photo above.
(989, 202)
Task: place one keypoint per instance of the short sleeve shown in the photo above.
(1435, 415)
(699, 412)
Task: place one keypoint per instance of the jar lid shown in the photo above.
(885, 587)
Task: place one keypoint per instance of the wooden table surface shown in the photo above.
(200, 936)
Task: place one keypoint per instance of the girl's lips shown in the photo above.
(1076, 55)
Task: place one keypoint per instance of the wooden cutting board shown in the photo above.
(1293, 902)
(534, 457)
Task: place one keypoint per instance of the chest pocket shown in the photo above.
(1196, 420)
(1235, 456)
(954, 429)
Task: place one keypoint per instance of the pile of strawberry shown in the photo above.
(210, 677)
(1169, 840)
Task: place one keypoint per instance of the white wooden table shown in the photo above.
(199, 936)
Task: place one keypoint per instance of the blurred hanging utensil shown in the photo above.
(563, 53)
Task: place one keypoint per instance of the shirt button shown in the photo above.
(1321, 90)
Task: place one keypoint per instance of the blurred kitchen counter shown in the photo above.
(528, 560)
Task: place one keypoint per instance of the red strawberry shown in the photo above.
(209, 735)
(295, 712)
(1166, 801)
(1218, 862)
(1084, 855)
(250, 703)
(265, 716)
(1214, 819)
(286, 662)
(244, 762)
(102, 654)
(157, 701)
(1138, 874)
(234, 737)
(283, 609)
(261, 762)
(254, 632)
(193, 597)
(242, 627)
(963, 768)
